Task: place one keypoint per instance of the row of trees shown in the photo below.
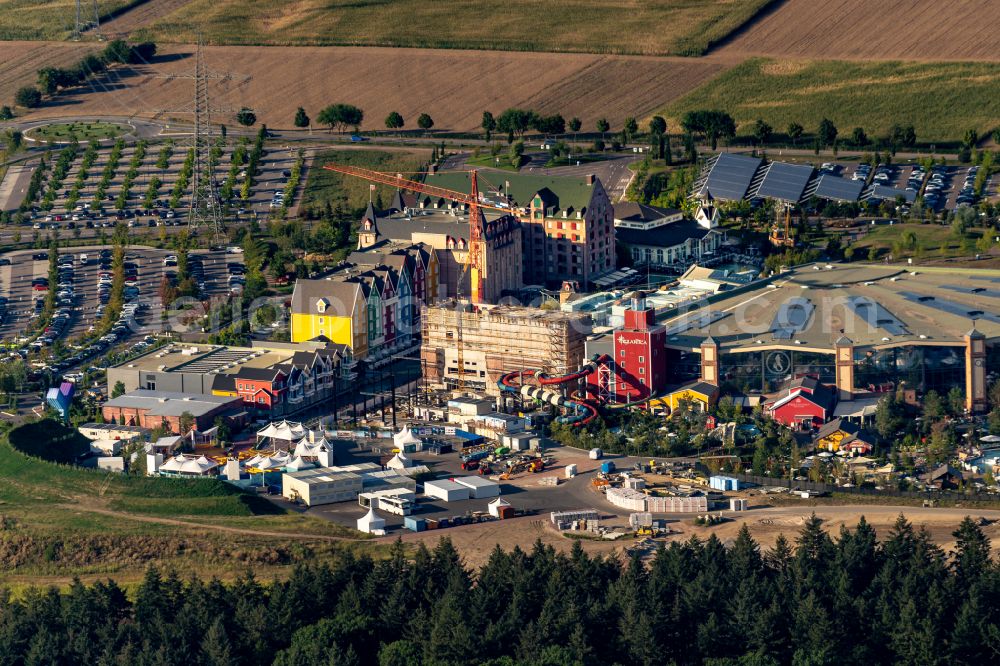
(697, 602)
(53, 79)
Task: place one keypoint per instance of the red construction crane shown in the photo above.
(476, 261)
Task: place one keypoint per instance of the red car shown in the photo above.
(41, 287)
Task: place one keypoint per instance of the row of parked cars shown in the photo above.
(936, 184)
(967, 195)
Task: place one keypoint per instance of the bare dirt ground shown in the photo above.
(476, 541)
(454, 87)
(20, 62)
(141, 16)
(863, 29)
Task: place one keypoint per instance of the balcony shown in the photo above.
(294, 399)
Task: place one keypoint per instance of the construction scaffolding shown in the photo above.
(498, 340)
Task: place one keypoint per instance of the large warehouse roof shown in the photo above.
(875, 306)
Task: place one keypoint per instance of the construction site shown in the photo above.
(473, 347)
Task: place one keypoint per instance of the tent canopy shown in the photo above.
(404, 437)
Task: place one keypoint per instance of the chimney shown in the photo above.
(591, 178)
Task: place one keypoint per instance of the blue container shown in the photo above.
(607, 467)
(414, 524)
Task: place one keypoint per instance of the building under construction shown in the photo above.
(493, 341)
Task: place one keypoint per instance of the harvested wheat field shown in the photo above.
(454, 87)
(20, 62)
(664, 27)
(887, 29)
(141, 16)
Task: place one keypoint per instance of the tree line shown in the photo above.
(822, 600)
(53, 79)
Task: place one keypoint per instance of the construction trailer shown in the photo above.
(479, 488)
(447, 490)
(322, 485)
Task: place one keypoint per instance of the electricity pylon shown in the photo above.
(204, 207)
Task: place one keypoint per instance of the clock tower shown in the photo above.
(975, 371)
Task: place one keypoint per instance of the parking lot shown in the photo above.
(84, 288)
(76, 205)
(944, 187)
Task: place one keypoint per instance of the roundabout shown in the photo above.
(82, 131)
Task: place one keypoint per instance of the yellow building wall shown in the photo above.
(338, 329)
(832, 441)
(674, 399)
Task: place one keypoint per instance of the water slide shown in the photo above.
(583, 410)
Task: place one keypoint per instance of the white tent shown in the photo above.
(284, 431)
(371, 524)
(495, 506)
(399, 461)
(275, 460)
(404, 437)
(298, 463)
(307, 447)
(189, 465)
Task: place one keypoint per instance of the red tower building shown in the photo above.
(640, 359)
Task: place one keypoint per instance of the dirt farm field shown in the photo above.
(888, 29)
(664, 27)
(454, 87)
(20, 62)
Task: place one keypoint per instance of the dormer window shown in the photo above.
(321, 305)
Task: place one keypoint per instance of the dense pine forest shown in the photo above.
(849, 599)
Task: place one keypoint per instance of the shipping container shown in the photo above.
(607, 467)
(431, 524)
(506, 512)
(595, 454)
(414, 524)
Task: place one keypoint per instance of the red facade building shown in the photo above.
(808, 404)
(640, 361)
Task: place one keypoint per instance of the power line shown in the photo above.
(204, 206)
(83, 24)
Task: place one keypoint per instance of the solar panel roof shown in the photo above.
(875, 315)
(890, 193)
(978, 291)
(785, 181)
(951, 307)
(838, 189)
(792, 317)
(700, 318)
(731, 176)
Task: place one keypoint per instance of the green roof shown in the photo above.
(572, 193)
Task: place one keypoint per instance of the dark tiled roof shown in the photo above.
(259, 374)
(224, 383)
(341, 295)
(630, 211)
(669, 235)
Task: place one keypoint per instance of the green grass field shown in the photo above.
(324, 186)
(48, 19)
(60, 520)
(83, 131)
(941, 100)
(676, 27)
(935, 241)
